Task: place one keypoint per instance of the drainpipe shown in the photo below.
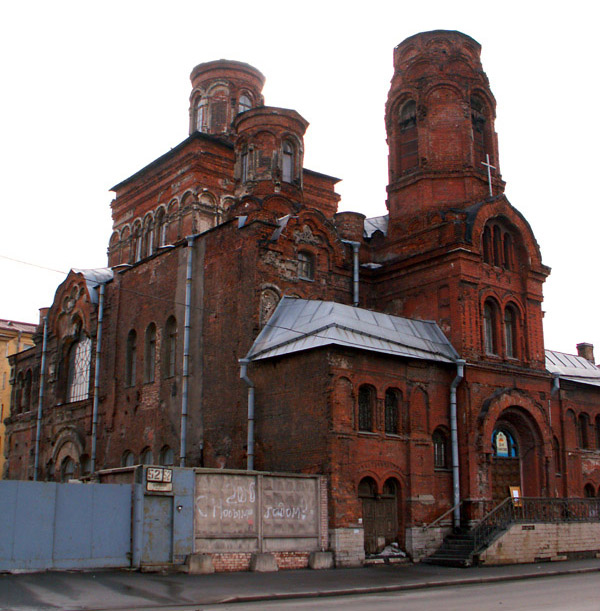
(554, 391)
(186, 352)
(355, 261)
(38, 428)
(97, 377)
(460, 370)
(250, 442)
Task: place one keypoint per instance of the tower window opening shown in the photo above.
(245, 103)
(408, 151)
(478, 123)
(287, 169)
(201, 115)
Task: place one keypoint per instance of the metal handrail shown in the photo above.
(533, 509)
(440, 518)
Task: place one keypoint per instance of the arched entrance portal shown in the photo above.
(516, 458)
(380, 514)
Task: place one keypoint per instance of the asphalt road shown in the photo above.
(551, 585)
(560, 593)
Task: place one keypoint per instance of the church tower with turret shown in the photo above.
(456, 251)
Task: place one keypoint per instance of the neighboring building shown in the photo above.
(357, 337)
(14, 337)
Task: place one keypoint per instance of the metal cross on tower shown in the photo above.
(489, 167)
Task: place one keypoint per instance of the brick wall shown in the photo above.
(532, 542)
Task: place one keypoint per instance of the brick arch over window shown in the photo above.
(526, 249)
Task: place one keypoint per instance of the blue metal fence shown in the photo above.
(46, 525)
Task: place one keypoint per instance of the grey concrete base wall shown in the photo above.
(422, 543)
(46, 525)
(348, 546)
(523, 543)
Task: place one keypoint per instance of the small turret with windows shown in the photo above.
(269, 150)
(221, 90)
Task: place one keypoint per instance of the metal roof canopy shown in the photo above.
(300, 324)
(572, 368)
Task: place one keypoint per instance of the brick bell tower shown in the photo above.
(454, 253)
(440, 117)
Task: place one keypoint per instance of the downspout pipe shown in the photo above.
(355, 266)
(186, 351)
(250, 384)
(97, 377)
(38, 428)
(460, 370)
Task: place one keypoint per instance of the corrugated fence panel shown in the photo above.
(47, 525)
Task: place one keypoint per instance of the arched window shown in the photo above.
(130, 358)
(146, 457)
(367, 488)
(583, 424)
(504, 444)
(487, 245)
(218, 106)
(78, 376)
(245, 103)
(287, 166)
(136, 243)
(508, 252)
(441, 447)
(148, 239)
(26, 404)
(597, 432)
(166, 457)
(161, 227)
(200, 114)
(490, 321)
(128, 459)
(588, 491)
(391, 410)
(479, 125)
(244, 164)
(408, 151)
(150, 353)
(306, 266)
(170, 348)
(19, 387)
(510, 332)
(67, 469)
(366, 404)
(557, 460)
(497, 245)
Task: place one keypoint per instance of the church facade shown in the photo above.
(242, 322)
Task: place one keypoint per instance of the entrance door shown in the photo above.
(506, 464)
(380, 515)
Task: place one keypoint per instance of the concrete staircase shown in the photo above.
(457, 549)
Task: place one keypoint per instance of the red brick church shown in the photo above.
(244, 323)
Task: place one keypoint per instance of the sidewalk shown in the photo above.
(119, 590)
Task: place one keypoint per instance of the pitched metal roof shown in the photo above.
(572, 368)
(300, 324)
(376, 223)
